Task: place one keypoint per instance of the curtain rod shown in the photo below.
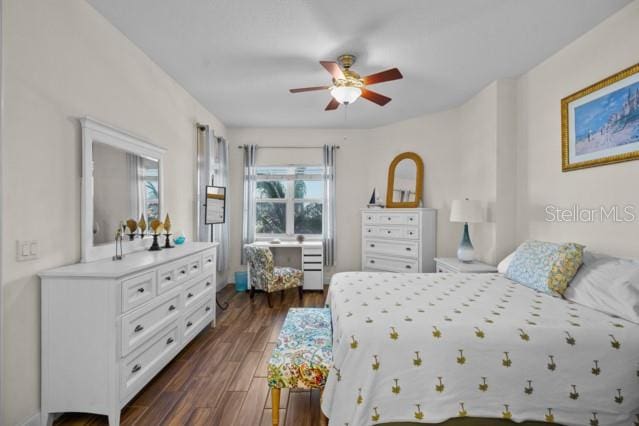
(292, 146)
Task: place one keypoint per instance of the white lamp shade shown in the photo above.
(345, 94)
(470, 211)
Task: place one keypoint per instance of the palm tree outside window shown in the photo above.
(288, 201)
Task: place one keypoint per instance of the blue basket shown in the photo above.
(241, 279)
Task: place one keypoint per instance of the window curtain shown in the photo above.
(248, 207)
(221, 178)
(328, 219)
(205, 171)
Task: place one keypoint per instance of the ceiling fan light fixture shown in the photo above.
(346, 94)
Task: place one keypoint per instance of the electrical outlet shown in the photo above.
(26, 250)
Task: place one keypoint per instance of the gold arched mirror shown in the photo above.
(405, 181)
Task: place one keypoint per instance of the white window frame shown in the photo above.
(290, 201)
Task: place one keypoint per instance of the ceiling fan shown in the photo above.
(348, 86)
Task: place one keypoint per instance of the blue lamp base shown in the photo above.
(465, 252)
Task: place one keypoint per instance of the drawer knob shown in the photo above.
(136, 368)
(183, 271)
(410, 233)
(410, 219)
(171, 308)
(168, 278)
(409, 249)
(372, 261)
(208, 283)
(408, 267)
(189, 295)
(194, 266)
(138, 328)
(388, 232)
(372, 245)
(141, 290)
(208, 308)
(369, 230)
(169, 340)
(389, 218)
(188, 324)
(369, 218)
(209, 260)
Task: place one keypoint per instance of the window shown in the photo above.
(289, 201)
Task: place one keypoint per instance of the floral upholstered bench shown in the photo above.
(303, 355)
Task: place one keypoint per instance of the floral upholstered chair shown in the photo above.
(269, 278)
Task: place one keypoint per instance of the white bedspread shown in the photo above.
(429, 347)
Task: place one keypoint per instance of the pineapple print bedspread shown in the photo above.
(429, 347)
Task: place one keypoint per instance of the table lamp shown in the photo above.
(466, 211)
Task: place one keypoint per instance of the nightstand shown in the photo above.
(454, 265)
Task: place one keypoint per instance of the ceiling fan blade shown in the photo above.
(333, 68)
(380, 77)
(333, 104)
(375, 97)
(309, 89)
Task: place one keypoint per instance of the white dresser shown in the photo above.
(109, 326)
(399, 240)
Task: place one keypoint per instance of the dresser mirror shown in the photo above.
(405, 180)
(122, 179)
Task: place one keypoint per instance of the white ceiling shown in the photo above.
(240, 57)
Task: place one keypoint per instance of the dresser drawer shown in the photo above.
(392, 219)
(194, 290)
(411, 219)
(196, 318)
(390, 232)
(370, 231)
(141, 324)
(137, 290)
(387, 264)
(208, 260)
(412, 233)
(139, 367)
(195, 266)
(172, 275)
(393, 248)
(370, 218)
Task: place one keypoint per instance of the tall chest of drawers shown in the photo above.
(399, 240)
(109, 327)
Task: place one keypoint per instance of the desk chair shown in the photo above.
(269, 278)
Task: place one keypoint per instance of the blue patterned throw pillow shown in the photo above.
(544, 266)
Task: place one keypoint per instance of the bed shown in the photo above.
(432, 347)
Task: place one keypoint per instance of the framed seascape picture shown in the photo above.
(600, 124)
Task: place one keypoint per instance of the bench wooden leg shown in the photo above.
(275, 406)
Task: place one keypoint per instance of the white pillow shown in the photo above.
(607, 284)
(503, 265)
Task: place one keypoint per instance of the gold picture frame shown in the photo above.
(419, 181)
(610, 151)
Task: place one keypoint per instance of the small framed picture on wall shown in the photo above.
(600, 124)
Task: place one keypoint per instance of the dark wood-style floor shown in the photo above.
(220, 377)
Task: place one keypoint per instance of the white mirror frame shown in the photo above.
(96, 131)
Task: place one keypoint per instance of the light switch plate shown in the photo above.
(26, 250)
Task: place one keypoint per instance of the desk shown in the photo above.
(308, 256)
